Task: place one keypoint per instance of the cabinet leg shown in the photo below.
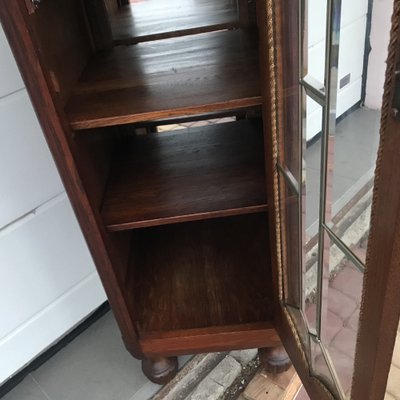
(274, 359)
(160, 370)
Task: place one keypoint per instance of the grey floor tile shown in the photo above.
(26, 390)
(95, 366)
(356, 144)
(148, 390)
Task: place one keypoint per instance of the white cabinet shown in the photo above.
(48, 282)
(351, 56)
(28, 176)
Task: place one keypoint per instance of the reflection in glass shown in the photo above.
(326, 172)
(353, 151)
(290, 238)
(316, 32)
(310, 199)
(339, 319)
(289, 107)
(320, 367)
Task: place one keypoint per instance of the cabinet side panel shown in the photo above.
(106, 254)
(63, 39)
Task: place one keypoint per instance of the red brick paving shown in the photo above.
(349, 281)
(341, 324)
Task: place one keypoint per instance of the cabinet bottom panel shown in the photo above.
(225, 338)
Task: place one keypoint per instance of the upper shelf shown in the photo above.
(159, 19)
(205, 173)
(173, 77)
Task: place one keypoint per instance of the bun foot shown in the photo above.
(274, 359)
(160, 370)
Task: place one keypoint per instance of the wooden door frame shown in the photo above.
(380, 307)
(267, 13)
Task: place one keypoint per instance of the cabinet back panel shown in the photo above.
(64, 41)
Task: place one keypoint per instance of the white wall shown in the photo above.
(380, 31)
(351, 55)
(48, 282)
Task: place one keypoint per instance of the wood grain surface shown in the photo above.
(204, 173)
(172, 77)
(158, 19)
(201, 274)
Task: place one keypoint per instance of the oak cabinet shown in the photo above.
(199, 234)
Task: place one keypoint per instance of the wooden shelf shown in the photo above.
(207, 172)
(173, 77)
(202, 274)
(160, 19)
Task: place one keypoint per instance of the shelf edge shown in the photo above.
(188, 217)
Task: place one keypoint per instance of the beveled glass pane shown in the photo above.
(353, 141)
(321, 369)
(315, 12)
(310, 198)
(340, 310)
(290, 238)
(289, 99)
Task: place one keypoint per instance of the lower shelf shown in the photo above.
(207, 172)
(206, 279)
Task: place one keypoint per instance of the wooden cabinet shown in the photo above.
(191, 229)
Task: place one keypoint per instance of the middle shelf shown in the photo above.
(204, 173)
(172, 77)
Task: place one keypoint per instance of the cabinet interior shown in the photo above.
(185, 210)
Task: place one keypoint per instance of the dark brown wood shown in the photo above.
(160, 370)
(195, 286)
(61, 38)
(380, 308)
(173, 77)
(203, 173)
(201, 274)
(159, 19)
(99, 23)
(221, 338)
(283, 322)
(93, 159)
(247, 13)
(17, 26)
(275, 360)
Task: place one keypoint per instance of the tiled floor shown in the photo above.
(95, 366)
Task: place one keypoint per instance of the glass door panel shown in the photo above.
(329, 168)
(315, 42)
(340, 312)
(310, 198)
(290, 222)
